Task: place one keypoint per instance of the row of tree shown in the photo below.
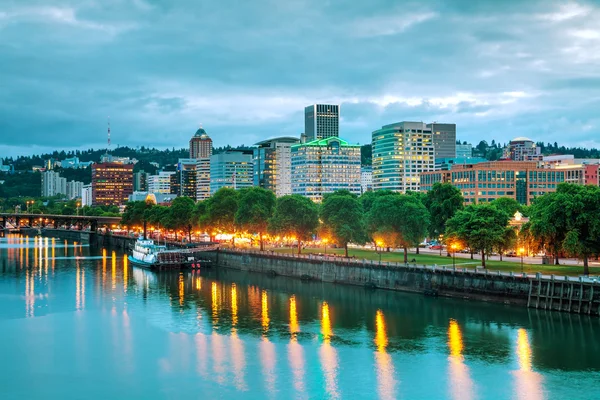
(564, 222)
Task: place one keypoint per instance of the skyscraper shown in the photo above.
(53, 184)
(321, 121)
(112, 183)
(231, 169)
(187, 177)
(273, 164)
(203, 178)
(200, 145)
(444, 139)
(401, 151)
(324, 166)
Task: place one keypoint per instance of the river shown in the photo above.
(79, 322)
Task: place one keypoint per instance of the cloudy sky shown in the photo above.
(246, 69)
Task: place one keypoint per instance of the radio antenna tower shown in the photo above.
(108, 134)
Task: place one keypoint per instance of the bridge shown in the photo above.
(80, 222)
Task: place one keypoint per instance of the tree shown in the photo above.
(582, 209)
(442, 202)
(181, 214)
(398, 221)
(508, 205)
(295, 215)
(136, 213)
(255, 207)
(158, 215)
(481, 226)
(342, 214)
(222, 207)
(507, 241)
(368, 198)
(548, 222)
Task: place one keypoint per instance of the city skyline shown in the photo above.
(496, 71)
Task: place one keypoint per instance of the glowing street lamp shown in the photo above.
(325, 240)
(454, 247)
(522, 251)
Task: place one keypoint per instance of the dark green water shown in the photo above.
(77, 324)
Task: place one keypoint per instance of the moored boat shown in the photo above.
(147, 254)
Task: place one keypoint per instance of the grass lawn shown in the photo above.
(429, 259)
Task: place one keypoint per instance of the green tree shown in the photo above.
(481, 226)
(508, 205)
(398, 221)
(181, 214)
(255, 207)
(295, 215)
(582, 209)
(507, 241)
(548, 221)
(442, 202)
(222, 207)
(368, 198)
(136, 213)
(342, 214)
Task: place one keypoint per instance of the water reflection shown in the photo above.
(295, 352)
(328, 354)
(386, 383)
(528, 383)
(276, 337)
(461, 386)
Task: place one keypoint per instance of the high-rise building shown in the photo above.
(140, 181)
(112, 183)
(86, 195)
(200, 145)
(203, 178)
(401, 151)
(444, 139)
(187, 177)
(321, 121)
(366, 179)
(159, 183)
(523, 149)
(74, 189)
(273, 165)
(464, 150)
(53, 184)
(231, 169)
(520, 180)
(324, 166)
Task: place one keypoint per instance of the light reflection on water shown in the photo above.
(247, 334)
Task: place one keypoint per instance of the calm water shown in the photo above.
(77, 322)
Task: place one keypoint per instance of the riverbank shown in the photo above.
(552, 292)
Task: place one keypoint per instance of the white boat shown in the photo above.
(149, 255)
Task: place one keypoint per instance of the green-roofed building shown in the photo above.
(324, 166)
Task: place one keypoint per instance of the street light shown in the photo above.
(325, 240)
(454, 246)
(380, 245)
(522, 251)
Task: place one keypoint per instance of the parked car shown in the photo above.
(511, 254)
(436, 247)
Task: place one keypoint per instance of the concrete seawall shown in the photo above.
(553, 293)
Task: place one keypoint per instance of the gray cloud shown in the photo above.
(245, 70)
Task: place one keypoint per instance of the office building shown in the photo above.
(464, 150)
(140, 181)
(446, 164)
(520, 180)
(187, 177)
(202, 178)
(366, 179)
(53, 184)
(200, 145)
(272, 161)
(324, 166)
(591, 174)
(401, 152)
(109, 158)
(74, 189)
(321, 121)
(112, 183)
(444, 139)
(159, 183)
(523, 149)
(233, 169)
(86, 195)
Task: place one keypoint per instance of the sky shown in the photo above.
(245, 70)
